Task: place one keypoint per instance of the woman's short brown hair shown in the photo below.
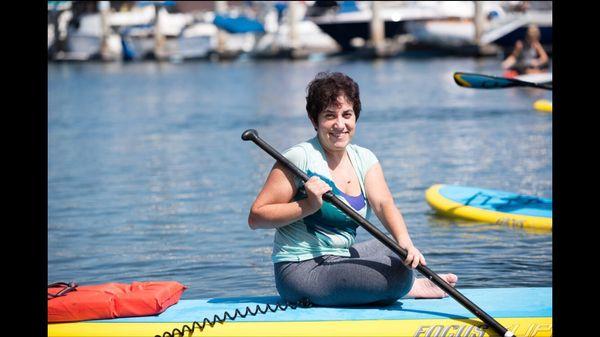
(324, 90)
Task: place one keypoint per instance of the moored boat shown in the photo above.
(500, 28)
(288, 33)
(348, 23)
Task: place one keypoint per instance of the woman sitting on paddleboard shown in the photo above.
(527, 58)
(314, 253)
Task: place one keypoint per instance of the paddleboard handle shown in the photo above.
(252, 135)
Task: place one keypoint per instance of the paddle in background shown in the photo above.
(479, 81)
(252, 135)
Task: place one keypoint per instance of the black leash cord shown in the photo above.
(303, 303)
(67, 288)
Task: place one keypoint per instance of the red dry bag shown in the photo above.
(71, 302)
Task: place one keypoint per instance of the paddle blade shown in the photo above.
(478, 81)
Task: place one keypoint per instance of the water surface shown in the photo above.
(148, 178)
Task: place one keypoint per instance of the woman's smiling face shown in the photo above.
(336, 125)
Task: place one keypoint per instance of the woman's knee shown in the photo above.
(402, 280)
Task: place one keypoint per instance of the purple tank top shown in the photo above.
(357, 202)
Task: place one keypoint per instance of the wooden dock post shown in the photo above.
(104, 8)
(478, 21)
(377, 29)
(159, 38)
(295, 51)
(221, 8)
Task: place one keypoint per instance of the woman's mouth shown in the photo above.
(338, 134)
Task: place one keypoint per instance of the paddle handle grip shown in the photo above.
(252, 135)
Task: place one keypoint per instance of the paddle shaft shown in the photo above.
(520, 83)
(391, 244)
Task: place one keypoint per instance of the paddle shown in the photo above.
(479, 81)
(252, 135)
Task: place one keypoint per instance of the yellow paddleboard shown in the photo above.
(491, 206)
(543, 105)
(524, 311)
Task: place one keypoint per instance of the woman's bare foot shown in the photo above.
(424, 288)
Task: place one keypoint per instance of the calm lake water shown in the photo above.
(148, 178)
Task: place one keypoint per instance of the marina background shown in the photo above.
(148, 177)
(224, 30)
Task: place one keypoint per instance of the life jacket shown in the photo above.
(69, 302)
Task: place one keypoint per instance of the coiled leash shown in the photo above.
(303, 303)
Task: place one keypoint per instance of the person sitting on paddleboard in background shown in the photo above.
(314, 254)
(527, 57)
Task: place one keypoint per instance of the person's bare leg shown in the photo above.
(424, 288)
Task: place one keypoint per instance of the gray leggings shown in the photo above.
(373, 274)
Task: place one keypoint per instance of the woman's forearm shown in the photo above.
(543, 59)
(509, 62)
(393, 221)
(278, 215)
